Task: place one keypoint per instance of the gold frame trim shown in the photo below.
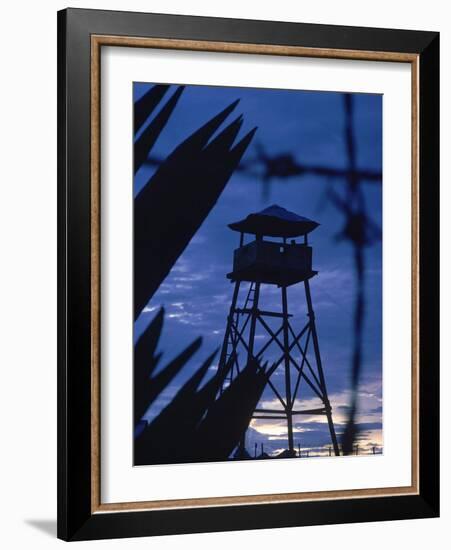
(97, 41)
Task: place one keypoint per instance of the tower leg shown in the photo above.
(223, 357)
(286, 351)
(250, 354)
(254, 314)
(322, 380)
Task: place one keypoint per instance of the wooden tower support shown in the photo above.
(256, 265)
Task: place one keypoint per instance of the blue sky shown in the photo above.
(196, 294)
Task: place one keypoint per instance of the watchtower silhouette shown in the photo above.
(282, 264)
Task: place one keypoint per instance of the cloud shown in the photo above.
(150, 309)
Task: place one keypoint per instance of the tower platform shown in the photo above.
(270, 262)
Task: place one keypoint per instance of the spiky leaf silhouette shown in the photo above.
(169, 435)
(168, 211)
(157, 384)
(178, 197)
(145, 106)
(145, 361)
(228, 418)
(197, 424)
(149, 136)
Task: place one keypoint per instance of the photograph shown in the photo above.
(257, 274)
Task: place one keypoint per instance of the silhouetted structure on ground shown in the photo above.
(283, 264)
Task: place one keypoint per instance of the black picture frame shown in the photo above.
(76, 519)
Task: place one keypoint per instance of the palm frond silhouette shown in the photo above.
(168, 211)
(198, 424)
(180, 194)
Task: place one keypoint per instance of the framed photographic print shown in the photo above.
(248, 274)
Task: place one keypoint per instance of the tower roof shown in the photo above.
(275, 221)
